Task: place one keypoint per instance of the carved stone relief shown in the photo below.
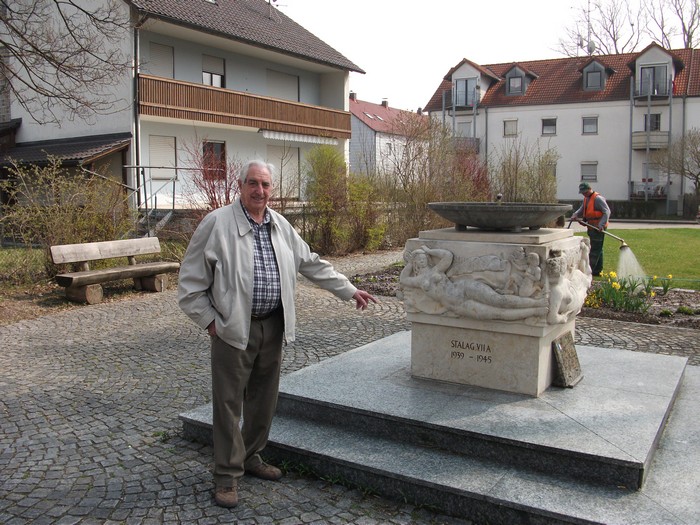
(513, 286)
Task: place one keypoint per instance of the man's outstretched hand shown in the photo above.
(362, 299)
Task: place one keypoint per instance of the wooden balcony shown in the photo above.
(165, 97)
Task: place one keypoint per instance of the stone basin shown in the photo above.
(507, 216)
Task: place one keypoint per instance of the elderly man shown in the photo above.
(237, 281)
(594, 212)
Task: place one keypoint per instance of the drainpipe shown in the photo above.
(670, 129)
(486, 136)
(630, 186)
(681, 200)
(137, 126)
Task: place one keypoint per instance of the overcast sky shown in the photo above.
(406, 47)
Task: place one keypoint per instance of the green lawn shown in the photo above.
(660, 252)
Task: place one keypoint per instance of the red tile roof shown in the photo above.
(254, 22)
(559, 81)
(378, 117)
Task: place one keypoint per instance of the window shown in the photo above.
(214, 160)
(510, 128)
(590, 125)
(653, 81)
(594, 80)
(589, 171)
(162, 158)
(465, 129)
(212, 71)
(549, 126)
(282, 85)
(652, 122)
(161, 61)
(465, 91)
(515, 85)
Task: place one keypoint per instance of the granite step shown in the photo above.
(575, 455)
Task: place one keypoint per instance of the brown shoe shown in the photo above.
(226, 496)
(265, 471)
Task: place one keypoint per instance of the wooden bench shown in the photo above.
(85, 285)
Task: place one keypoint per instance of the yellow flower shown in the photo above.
(653, 293)
(670, 276)
(616, 285)
(613, 275)
(654, 279)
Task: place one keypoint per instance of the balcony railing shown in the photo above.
(657, 139)
(164, 97)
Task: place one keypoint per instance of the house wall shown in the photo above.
(362, 147)
(241, 146)
(116, 121)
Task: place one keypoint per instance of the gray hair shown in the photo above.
(243, 174)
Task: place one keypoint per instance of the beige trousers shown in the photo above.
(245, 384)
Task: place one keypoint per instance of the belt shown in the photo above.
(267, 315)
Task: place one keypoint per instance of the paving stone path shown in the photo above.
(89, 404)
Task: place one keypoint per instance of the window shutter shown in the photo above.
(212, 64)
(161, 151)
(161, 63)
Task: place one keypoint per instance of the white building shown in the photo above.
(377, 135)
(236, 78)
(603, 115)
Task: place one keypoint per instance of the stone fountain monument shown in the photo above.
(490, 298)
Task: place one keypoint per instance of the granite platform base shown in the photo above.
(613, 449)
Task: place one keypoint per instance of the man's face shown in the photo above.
(255, 191)
(587, 193)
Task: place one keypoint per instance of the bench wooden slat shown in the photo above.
(93, 251)
(114, 274)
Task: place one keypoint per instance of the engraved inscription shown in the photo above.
(478, 348)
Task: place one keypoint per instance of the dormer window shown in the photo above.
(515, 85)
(594, 77)
(465, 91)
(654, 80)
(517, 81)
(594, 80)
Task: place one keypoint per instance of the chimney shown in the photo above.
(353, 96)
(385, 102)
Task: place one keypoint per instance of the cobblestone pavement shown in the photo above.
(89, 404)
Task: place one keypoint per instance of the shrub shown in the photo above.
(52, 205)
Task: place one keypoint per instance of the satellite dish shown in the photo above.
(591, 47)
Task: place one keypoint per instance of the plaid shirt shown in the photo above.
(267, 288)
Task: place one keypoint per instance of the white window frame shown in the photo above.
(592, 120)
(549, 126)
(510, 127)
(589, 171)
(655, 122)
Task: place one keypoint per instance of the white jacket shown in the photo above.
(216, 275)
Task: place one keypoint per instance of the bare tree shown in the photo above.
(604, 27)
(623, 26)
(63, 56)
(670, 20)
(682, 158)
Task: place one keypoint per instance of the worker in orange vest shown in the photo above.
(594, 211)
